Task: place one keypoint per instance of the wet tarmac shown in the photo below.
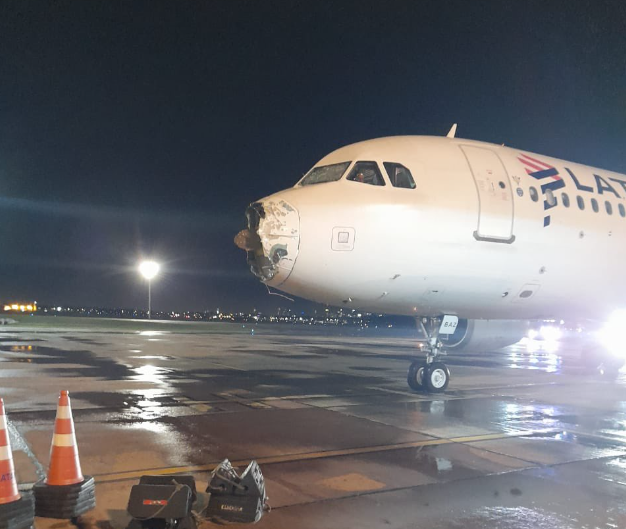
(528, 437)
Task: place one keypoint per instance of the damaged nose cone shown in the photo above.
(248, 241)
(271, 239)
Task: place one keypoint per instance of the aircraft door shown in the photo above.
(495, 195)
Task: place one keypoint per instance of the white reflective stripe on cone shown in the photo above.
(63, 439)
(5, 453)
(64, 412)
(3, 422)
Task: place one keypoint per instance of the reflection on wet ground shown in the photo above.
(527, 437)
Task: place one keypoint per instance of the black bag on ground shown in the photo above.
(160, 501)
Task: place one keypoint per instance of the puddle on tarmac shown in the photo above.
(86, 341)
(140, 398)
(153, 357)
(513, 518)
(150, 373)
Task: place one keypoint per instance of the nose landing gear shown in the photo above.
(415, 377)
(432, 374)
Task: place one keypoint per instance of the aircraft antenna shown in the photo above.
(452, 132)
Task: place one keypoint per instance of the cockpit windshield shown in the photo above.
(325, 173)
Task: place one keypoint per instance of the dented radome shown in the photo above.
(271, 240)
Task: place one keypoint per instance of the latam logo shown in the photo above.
(542, 172)
(551, 181)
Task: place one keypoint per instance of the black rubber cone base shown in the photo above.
(64, 501)
(18, 514)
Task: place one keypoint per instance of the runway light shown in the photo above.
(612, 334)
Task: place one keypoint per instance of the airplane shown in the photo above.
(472, 239)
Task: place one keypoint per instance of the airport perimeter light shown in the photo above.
(149, 270)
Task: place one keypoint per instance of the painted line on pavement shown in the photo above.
(308, 456)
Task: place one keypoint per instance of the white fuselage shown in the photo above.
(468, 240)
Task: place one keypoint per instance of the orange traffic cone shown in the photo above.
(15, 511)
(8, 485)
(64, 463)
(65, 493)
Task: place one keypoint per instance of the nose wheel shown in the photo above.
(437, 377)
(433, 377)
(431, 374)
(415, 377)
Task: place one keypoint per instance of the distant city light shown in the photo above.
(19, 307)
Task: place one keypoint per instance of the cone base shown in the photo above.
(19, 514)
(64, 501)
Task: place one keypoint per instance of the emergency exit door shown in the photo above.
(495, 195)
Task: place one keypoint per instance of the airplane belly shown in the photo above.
(370, 268)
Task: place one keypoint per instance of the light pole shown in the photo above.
(149, 270)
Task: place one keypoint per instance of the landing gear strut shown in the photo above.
(431, 374)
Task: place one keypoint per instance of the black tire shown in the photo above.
(437, 377)
(415, 376)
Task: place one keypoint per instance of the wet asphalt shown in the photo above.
(528, 437)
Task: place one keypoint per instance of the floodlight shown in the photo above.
(149, 269)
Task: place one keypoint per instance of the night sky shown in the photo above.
(132, 129)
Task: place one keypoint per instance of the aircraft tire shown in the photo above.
(437, 377)
(415, 376)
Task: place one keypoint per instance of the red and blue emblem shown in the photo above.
(548, 175)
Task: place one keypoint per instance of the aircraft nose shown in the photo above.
(271, 239)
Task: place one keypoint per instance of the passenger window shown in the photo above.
(622, 210)
(550, 198)
(534, 196)
(399, 175)
(366, 173)
(609, 207)
(594, 205)
(565, 199)
(581, 202)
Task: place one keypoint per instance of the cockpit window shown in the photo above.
(366, 173)
(399, 175)
(325, 173)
